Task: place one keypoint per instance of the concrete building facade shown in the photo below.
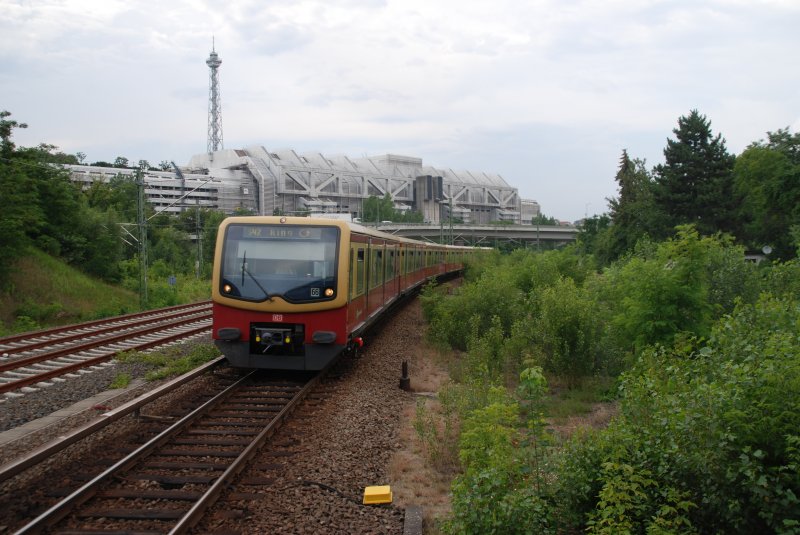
(266, 182)
(288, 182)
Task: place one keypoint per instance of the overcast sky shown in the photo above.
(546, 93)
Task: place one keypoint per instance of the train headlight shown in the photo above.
(227, 288)
(328, 292)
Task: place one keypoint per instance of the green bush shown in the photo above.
(782, 279)
(567, 331)
(472, 306)
(664, 294)
(708, 438)
(500, 489)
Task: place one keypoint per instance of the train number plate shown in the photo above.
(277, 317)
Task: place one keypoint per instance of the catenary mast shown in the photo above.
(214, 103)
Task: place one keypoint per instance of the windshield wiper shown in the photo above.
(244, 263)
(245, 270)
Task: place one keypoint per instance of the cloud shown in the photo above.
(545, 93)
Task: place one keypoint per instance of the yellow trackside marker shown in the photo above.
(379, 494)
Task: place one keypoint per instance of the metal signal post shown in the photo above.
(142, 224)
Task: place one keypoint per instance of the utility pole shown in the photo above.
(199, 240)
(142, 224)
(538, 220)
(451, 221)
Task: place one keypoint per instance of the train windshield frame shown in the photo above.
(298, 263)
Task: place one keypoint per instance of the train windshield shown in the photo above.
(297, 263)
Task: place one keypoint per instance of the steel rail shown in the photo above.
(46, 332)
(107, 327)
(98, 342)
(193, 516)
(61, 509)
(46, 451)
(37, 378)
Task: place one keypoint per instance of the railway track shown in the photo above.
(32, 359)
(167, 483)
(292, 484)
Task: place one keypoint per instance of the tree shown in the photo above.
(18, 207)
(592, 233)
(19, 211)
(633, 213)
(120, 194)
(767, 179)
(59, 200)
(663, 293)
(47, 153)
(39, 204)
(6, 131)
(377, 209)
(695, 185)
(541, 219)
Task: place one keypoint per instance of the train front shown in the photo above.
(280, 291)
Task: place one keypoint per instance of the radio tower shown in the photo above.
(214, 103)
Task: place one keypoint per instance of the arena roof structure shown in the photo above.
(285, 181)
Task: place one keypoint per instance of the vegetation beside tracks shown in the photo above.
(698, 348)
(44, 291)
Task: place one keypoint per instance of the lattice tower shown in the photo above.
(214, 103)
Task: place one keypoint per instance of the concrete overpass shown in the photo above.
(483, 235)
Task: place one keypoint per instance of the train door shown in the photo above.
(404, 277)
(391, 273)
(375, 293)
(357, 295)
(419, 271)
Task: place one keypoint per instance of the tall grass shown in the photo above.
(47, 292)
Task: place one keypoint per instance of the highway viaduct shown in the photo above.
(484, 235)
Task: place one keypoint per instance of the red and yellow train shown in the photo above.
(294, 292)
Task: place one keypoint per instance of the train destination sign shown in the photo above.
(282, 232)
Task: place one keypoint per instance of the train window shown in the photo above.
(360, 271)
(390, 265)
(379, 267)
(351, 276)
(376, 267)
(295, 262)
